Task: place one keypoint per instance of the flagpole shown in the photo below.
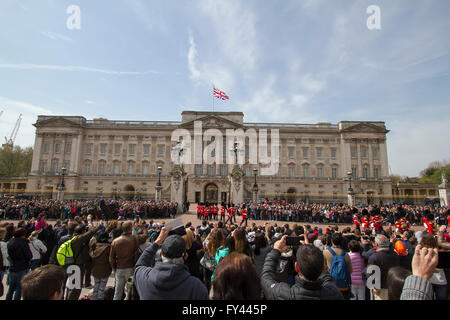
(213, 98)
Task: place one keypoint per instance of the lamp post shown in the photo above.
(61, 186)
(158, 185)
(255, 186)
(351, 199)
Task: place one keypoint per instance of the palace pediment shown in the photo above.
(365, 127)
(56, 122)
(213, 122)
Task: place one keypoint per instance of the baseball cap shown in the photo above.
(173, 247)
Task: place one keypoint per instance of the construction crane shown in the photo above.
(10, 142)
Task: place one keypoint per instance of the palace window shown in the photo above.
(131, 149)
(334, 173)
(103, 148)
(101, 168)
(291, 152)
(291, 172)
(365, 172)
(333, 153)
(198, 169)
(305, 153)
(146, 149)
(320, 172)
(116, 168)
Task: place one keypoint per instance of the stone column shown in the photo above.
(75, 154)
(384, 159)
(358, 155)
(345, 157)
(37, 151)
(371, 167)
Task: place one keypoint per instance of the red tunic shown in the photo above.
(356, 221)
(365, 223)
(222, 211)
(244, 214)
(429, 225)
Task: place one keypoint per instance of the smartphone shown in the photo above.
(293, 241)
(444, 260)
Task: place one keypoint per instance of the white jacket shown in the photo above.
(35, 246)
(4, 249)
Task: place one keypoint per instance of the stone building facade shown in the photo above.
(119, 159)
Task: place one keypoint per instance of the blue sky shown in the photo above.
(279, 61)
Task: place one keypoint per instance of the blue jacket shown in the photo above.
(166, 281)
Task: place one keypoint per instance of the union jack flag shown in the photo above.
(220, 94)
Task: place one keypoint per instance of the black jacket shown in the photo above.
(385, 259)
(19, 254)
(166, 281)
(321, 289)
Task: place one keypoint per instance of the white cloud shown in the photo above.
(234, 28)
(55, 36)
(208, 73)
(192, 54)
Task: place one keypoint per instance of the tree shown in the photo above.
(433, 173)
(15, 162)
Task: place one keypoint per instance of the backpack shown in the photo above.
(64, 255)
(339, 271)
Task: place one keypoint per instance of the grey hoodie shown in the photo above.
(166, 281)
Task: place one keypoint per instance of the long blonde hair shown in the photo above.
(188, 238)
(34, 233)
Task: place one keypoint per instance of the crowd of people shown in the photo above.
(106, 209)
(323, 213)
(222, 260)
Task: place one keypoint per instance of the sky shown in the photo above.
(296, 61)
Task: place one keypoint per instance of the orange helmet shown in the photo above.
(400, 248)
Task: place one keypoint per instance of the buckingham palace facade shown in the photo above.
(120, 159)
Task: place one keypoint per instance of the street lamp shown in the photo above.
(61, 185)
(350, 174)
(351, 199)
(255, 186)
(158, 185)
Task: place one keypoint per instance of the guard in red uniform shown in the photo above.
(430, 225)
(199, 212)
(222, 214)
(365, 223)
(231, 215)
(375, 222)
(402, 225)
(244, 216)
(214, 212)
